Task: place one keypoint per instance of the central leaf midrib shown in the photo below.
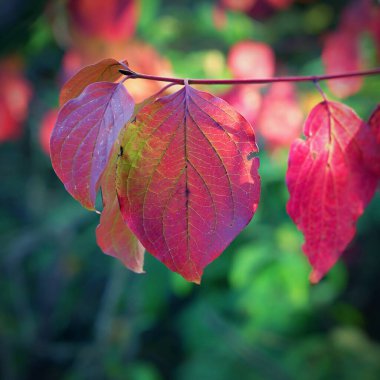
(186, 174)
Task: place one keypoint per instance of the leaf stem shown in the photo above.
(308, 78)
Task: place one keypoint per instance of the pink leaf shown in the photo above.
(280, 117)
(106, 70)
(187, 183)
(246, 100)
(238, 5)
(370, 138)
(47, 125)
(82, 140)
(111, 20)
(341, 54)
(248, 59)
(374, 123)
(328, 183)
(15, 95)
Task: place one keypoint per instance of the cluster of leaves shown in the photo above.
(67, 311)
(179, 173)
(114, 25)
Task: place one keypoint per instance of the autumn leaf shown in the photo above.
(238, 5)
(47, 124)
(249, 59)
(341, 54)
(111, 20)
(106, 70)
(370, 137)
(15, 95)
(246, 100)
(112, 234)
(82, 140)
(374, 123)
(187, 182)
(280, 118)
(328, 183)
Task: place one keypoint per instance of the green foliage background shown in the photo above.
(69, 312)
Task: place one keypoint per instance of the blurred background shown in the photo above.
(67, 311)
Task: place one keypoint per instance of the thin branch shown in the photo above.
(308, 78)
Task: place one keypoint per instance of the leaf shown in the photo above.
(248, 59)
(238, 5)
(47, 125)
(328, 183)
(370, 136)
(15, 95)
(110, 20)
(341, 54)
(280, 117)
(246, 100)
(374, 123)
(106, 70)
(82, 140)
(112, 234)
(280, 4)
(184, 183)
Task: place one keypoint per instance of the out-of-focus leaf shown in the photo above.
(15, 95)
(111, 20)
(341, 54)
(249, 59)
(246, 100)
(280, 118)
(46, 128)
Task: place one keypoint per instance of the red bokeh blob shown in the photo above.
(249, 59)
(47, 125)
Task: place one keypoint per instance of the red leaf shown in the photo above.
(328, 184)
(15, 95)
(238, 5)
(248, 59)
(341, 53)
(280, 117)
(246, 100)
(356, 16)
(111, 20)
(9, 128)
(374, 123)
(82, 140)
(112, 234)
(185, 184)
(370, 138)
(106, 70)
(47, 125)
(280, 4)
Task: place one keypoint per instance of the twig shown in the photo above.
(308, 78)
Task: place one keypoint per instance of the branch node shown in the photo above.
(129, 73)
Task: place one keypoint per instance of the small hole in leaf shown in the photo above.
(251, 155)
